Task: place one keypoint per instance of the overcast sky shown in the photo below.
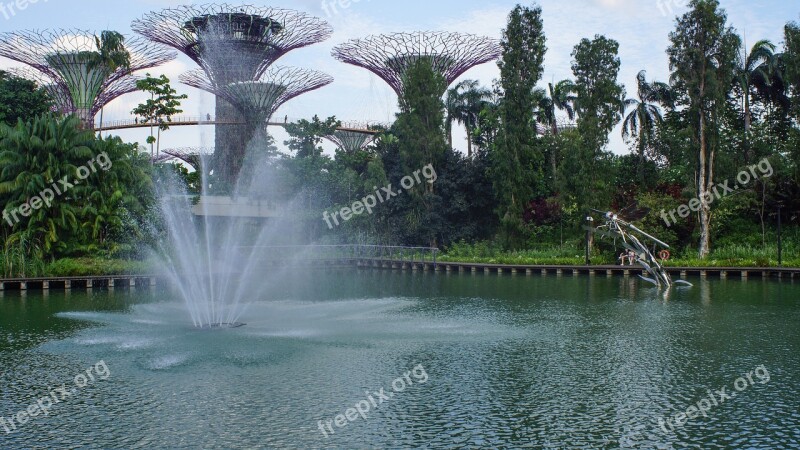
(640, 26)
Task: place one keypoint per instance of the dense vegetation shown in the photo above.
(537, 163)
(538, 158)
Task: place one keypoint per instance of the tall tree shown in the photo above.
(21, 99)
(702, 58)
(599, 108)
(420, 132)
(754, 78)
(645, 115)
(162, 105)
(561, 98)
(111, 54)
(791, 64)
(516, 160)
(464, 104)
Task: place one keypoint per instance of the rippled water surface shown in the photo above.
(501, 362)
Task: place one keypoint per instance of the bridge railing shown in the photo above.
(212, 120)
(340, 252)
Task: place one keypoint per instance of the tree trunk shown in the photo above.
(100, 133)
(703, 196)
(748, 123)
(469, 144)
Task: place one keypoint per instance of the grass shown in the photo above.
(728, 256)
(73, 267)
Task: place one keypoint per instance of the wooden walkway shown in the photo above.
(139, 281)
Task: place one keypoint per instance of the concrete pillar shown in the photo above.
(592, 272)
(486, 271)
(544, 271)
(45, 285)
(111, 282)
(609, 273)
(723, 274)
(132, 282)
(513, 271)
(626, 272)
(68, 284)
(88, 284)
(23, 286)
(683, 274)
(2, 286)
(528, 272)
(575, 272)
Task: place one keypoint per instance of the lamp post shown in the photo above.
(589, 222)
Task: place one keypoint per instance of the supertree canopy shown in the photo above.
(350, 141)
(197, 157)
(257, 100)
(71, 68)
(390, 55)
(232, 43)
(234, 46)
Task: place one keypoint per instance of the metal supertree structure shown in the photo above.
(67, 65)
(389, 56)
(197, 157)
(234, 47)
(257, 100)
(348, 140)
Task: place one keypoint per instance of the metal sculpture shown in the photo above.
(232, 43)
(71, 70)
(389, 56)
(618, 225)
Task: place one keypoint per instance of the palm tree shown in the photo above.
(758, 77)
(562, 98)
(464, 104)
(111, 54)
(645, 115)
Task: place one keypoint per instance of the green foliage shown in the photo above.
(162, 104)
(517, 158)
(65, 192)
(85, 267)
(21, 99)
(306, 136)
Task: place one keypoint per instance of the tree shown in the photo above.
(791, 64)
(516, 159)
(464, 104)
(21, 99)
(162, 105)
(306, 136)
(645, 115)
(561, 98)
(754, 79)
(702, 58)
(599, 108)
(66, 192)
(420, 131)
(111, 54)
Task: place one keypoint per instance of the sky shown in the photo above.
(640, 26)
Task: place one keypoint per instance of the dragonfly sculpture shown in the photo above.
(618, 225)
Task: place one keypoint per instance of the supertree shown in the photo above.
(349, 140)
(196, 157)
(232, 44)
(389, 56)
(258, 100)
(72, 70)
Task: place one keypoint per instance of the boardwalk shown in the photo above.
(177, 121)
